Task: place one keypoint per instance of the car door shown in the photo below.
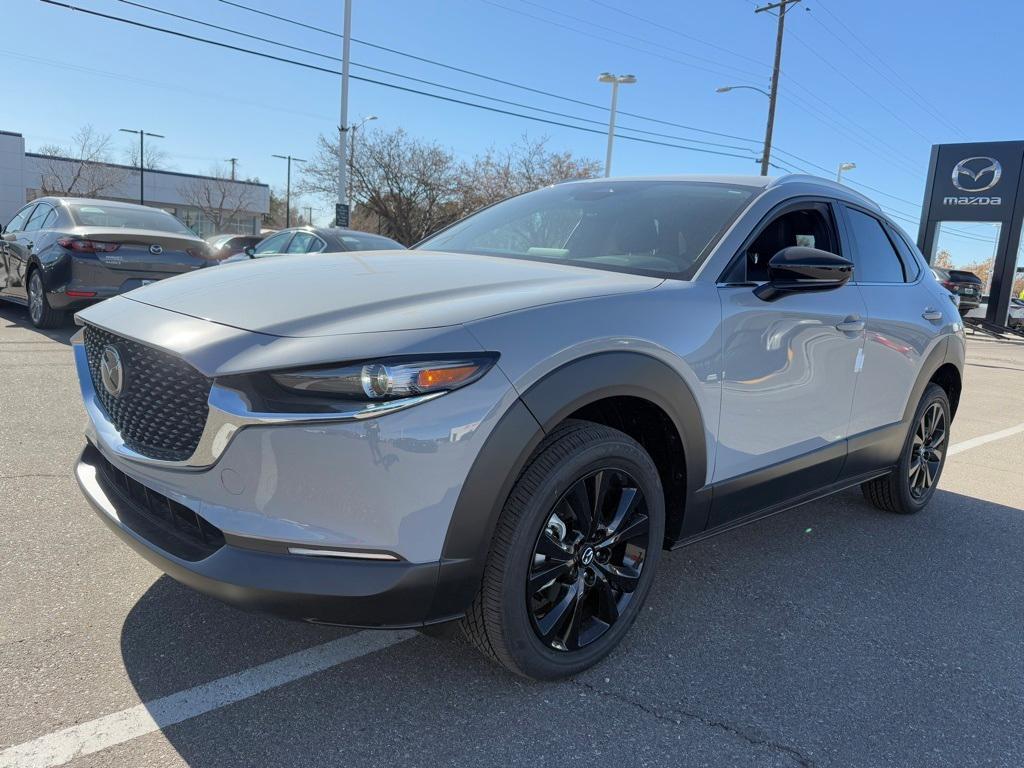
(900, 296)
(8, 245)
(21, 249)
(790, 370)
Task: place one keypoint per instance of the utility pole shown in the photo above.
(309, 215)
(782, 6)
(288, 188)
(341, 209)
(234, 162)
(142, 159)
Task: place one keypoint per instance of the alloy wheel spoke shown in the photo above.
(548, 572)
(628, 502)
(582, 508)
(571, 638)
(622, 576)
(552, 623)
(607, 603)
(638, 527)
(552, 549)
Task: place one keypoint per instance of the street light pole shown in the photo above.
(142, 158)
(844, 167)
(352, 157)
(783, 7)
(288, 188)
(341, 216)
(616, 81)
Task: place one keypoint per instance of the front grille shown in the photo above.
(163, 522)
(162, 408)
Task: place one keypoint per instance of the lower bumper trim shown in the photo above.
(326, 590)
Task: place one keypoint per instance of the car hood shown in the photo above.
(372, 291)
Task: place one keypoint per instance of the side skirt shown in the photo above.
(761, 514)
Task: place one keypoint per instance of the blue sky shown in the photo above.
(871, 82)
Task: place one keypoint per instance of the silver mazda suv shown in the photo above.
(505, 426)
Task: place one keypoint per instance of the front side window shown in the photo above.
(809, 227)
(663, 228)
(126, 217)
(875, 259)
(18, 222)
(273, 244)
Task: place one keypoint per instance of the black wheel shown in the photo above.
(573, 556)
(40, 312)
(910, 486)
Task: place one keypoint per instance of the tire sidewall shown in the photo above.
(933, 394)
(531, 655)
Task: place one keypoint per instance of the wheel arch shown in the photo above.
(567, 391)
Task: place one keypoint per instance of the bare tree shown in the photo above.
(217, 197)
(522, 167)
(408, 189)
(81, 168)
(156, 158)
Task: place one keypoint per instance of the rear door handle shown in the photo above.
(852, 324)
(931, 314)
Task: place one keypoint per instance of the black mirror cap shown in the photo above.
(250, 251)
(799, 269)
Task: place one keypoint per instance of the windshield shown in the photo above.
(125, 217)
(664, 228)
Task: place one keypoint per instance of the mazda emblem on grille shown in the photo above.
(156, 249)
(112, 370)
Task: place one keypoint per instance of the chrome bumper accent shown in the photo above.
(229, 413)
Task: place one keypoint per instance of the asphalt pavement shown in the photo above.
(829, 635)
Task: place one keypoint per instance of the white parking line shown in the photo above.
(974, 442)
(84, 739)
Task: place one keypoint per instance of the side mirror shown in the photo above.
(250, 251)
(9, 237)
(799, 270)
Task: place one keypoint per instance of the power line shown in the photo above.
(395, 86)
(908, 88)
(490, 78)
(422, 81)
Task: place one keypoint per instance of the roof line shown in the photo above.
(148, 170)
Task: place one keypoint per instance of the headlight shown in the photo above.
(387, 379)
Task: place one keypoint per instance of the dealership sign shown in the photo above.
(978, 183)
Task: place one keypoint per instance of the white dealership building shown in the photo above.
(23, 177)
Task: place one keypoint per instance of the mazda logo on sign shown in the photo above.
(976, 174)
(112, 370)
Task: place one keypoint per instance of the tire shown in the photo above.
(40, 312)
(539, 534)
(911, 485)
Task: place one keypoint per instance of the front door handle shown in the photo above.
(931, 314)
(852, 324)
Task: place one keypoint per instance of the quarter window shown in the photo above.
(875, 259)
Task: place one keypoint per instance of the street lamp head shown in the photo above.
(847, 166)
(723, 89)
(608, 77)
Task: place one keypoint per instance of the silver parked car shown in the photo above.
(316, 240)
(61, 254)
(505, 427)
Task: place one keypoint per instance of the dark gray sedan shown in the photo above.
(59, 255)
(318, 240)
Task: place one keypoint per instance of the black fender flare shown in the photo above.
(944, 352)
(521, 429)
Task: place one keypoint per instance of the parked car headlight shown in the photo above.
(387, 379)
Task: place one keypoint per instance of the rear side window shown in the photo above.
(301, 242)
(18, 222)
(875, 260)
(38, 215)
(911, 264)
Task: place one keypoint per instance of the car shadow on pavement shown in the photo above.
(833, 634)
(16, 316)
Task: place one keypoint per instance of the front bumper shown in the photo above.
(317, 589)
